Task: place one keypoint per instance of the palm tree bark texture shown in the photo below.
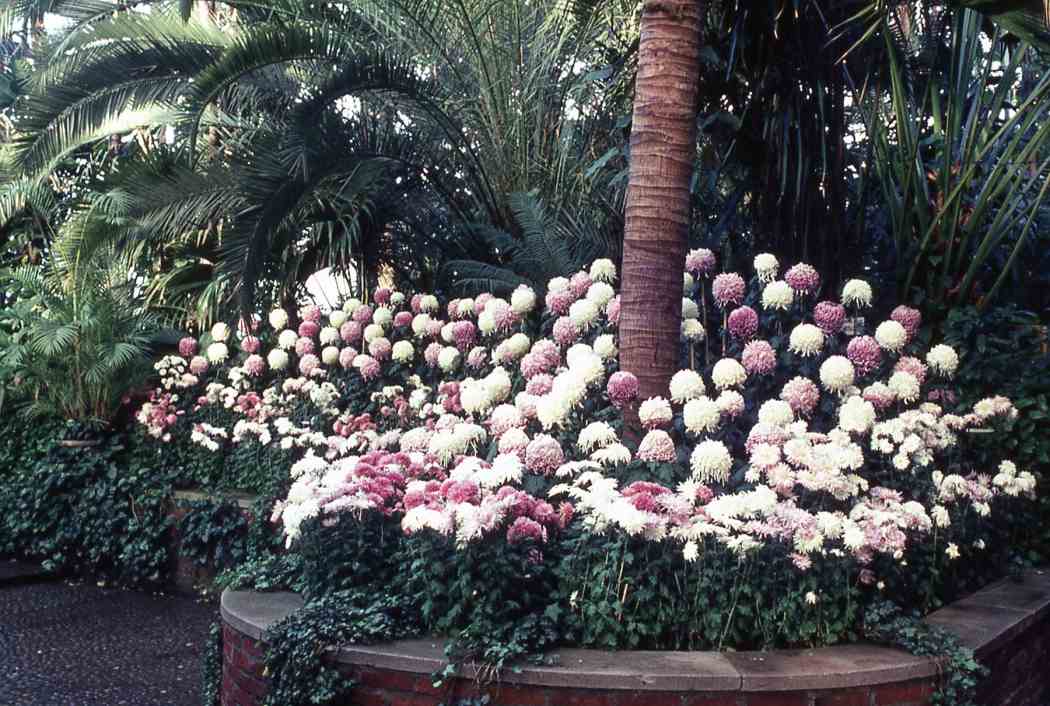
(663, 151)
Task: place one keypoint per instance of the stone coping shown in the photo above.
(985, 621)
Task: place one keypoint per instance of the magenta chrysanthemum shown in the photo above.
(743, 323)
(416, 303)
(533, 365)
(526, 529)
(188, 347)
(544, 455)
(402, 319)
(464, 333)
(700, 262)
(363, 314)
(565, 331)
(250, 344)
(382, 295)
(865, 354)
(911, 365)
(310, 312)
(728, 288)
(657, 446)
(910, 319)
(802, 394)
(482, 301)
(830, 317)
(759, 358)
(309, 329)
(622, 388)
(434, 327)
(350, 331)
(803, 278)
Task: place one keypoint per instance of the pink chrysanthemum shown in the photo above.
(830, 317)
(657, 447)
(539, 384)
(743, 323)
(199, 365)
(612, 310)
(402, 319)
(363, 314)
(310, 312)
(910, 319)
(759, 358)
(370, 368)
(728, 288)
(514, 441)
(464, 333)
(802, 394)
(309, 329)
(434, 327)
(865, 354)
(308, 364)
(559, 302)
(549, 351)
(453, 310)
(416, 303)
(255, 365)
(700, 262)
(380, 349)
(580, 283)
(304, 346)
(544, 455)
(765, 434)
(504, 417)
(431, 354)
(188, 347)
(382, 295)
(346, 357)
(525, 529)
(250, 344)
(350, 331)
(803, 278)
(911, 365)
(533, 365)
(482, 301)
(879, 395)
(622, 388)
(565, 331)
(505, 318)
(477, 358)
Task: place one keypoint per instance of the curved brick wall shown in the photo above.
(1008, 624)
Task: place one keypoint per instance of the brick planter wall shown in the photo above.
(1008, 625)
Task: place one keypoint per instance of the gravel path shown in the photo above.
(79, 645)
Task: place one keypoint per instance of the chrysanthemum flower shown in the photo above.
(565, 331)
(802, 394)
(909, 318)
(308, 364)
(702, 416)
(655, 412)
(728, 288)
(304, 346)
(778, 296)
(728, 373)
(864, 352)
(347, 357)
(759, 358)
(218, 352)
(187, 347)
(255, 365)
(622, 388)
(711, 462)
(912, 365)
(857, 293)
(605, 346)
(657, 447)
(612, 310)
(943, 360)
(603, 270)
(731, 403)
(905, 387)
(693, 330)
(891, 336)
(803, 278)
(776, 413)
(830, 317)
(220, 332)
(806, 340)
(837, 373)
(277, 359)
(689, 309)
(544, 455)
(329, 355)
(686, 385)
(700, 262)
(278, 319)
(766, 266)
(198, 365)
(743, 323)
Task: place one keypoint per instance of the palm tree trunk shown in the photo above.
(658, 211)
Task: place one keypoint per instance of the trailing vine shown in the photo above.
(887, 623)
(211, 667)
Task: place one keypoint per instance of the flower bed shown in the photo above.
(465, 469)
(1007, 624)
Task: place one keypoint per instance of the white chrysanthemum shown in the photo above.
(278, 319)
(487, 321)
(612, 455)
(351, 305)
(517, 345)
(596, 435)
(693, 330)
(465, 307)
(328, 335)
(776, 413)
(904, 386)
(605, 346)
(428, 303)
(856, 415)
(584, 313)
(473, 396)
(601, 294)
(686, 385)
(497, 385)
(403, 352)
(577, 354)
(687, 283)
(837, 373)
(778, 295)
(330, 355)
(891, 336)
(522, 300)
(943, 360)
(420, 323)
(382, 316)
(557, 284)
(731, 402)
(702, 415)
(711, 462)
(603, 270)
(218, 352)
(447, 334)
(655, 411)
(727, 373)
(277, 359)
(337, 318)
(806, 340)
(372, 332)
(857, 293)
(220, 332)
(448, 359)
(286, 339)
(690, 310)
(766, 266)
